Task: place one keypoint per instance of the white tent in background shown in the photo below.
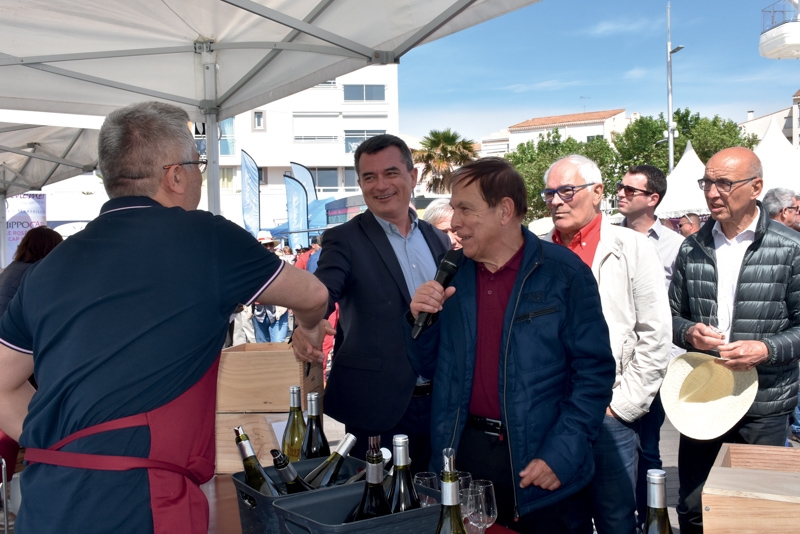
(779, 159)
(683, 194)
(214, 58)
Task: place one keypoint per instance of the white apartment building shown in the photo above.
(579, 126)
(788, 119)
(319, 128)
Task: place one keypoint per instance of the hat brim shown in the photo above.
(703, 399)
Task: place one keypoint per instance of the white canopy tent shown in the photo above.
(683, 194)
(215, 58)
(779, 160)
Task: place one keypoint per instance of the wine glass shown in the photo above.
(464, 480)
(720, 316)
(429, 480)
(468, 498)
(484, 510)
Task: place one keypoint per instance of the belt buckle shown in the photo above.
(495, 424)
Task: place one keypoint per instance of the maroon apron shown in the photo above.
(182, 450)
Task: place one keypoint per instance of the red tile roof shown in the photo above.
(559, 120)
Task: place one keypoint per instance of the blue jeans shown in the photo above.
(649, 453)
(275, 332)
(616, 457)
(796, 418)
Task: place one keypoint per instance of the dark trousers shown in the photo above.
(487, 457)
(415, 423)
(696, 457)
(649, 453)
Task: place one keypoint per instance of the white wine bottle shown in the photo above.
(657, 521)
(402, 494)
(325, 473)
(315, 444)
(450, 520)
(295, 429)
(294, 482)
(373, 501)
(254, 474)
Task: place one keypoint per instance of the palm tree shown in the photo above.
(442, 151)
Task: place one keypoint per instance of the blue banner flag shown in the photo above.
(297, 211)
(251, 195)
(303, 175)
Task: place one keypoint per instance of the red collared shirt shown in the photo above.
(494, 290)
(585, 242)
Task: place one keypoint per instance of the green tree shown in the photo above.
(532, 159)
(442, 151)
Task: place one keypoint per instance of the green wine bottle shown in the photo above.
(373, 501)
(295, 429)
(254, 474)
(450, 520)
(294, 483)
(402, 494)
(325, 473)
(315, 444)
(657, 521)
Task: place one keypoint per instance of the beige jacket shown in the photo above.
(630, 277)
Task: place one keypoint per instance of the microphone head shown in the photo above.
(451, 260)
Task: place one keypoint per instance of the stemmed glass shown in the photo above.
(468, 499)
(429, 480)
(483, 512)
(464, 480)
(719, 314)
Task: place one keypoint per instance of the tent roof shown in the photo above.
(683, 195)
(779, 159)
(226, 56)
(32, 156)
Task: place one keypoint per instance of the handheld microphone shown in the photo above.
(444, 274)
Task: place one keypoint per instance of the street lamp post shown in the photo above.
(671, 133)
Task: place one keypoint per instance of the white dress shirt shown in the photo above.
(730, 254)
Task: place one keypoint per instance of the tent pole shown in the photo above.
(212, 128)
(3, 251)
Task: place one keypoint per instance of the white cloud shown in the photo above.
(635, 74)
(547, 85)
(607, 28)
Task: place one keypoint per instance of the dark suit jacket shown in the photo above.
(371, 380)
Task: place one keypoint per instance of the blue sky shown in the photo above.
(542, 59)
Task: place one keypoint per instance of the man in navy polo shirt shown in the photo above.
(123, 330)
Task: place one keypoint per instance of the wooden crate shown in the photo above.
(753, 488)
(255, 377)
(253, 392)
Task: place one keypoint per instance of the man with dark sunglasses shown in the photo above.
(640, 192)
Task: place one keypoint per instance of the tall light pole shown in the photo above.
(671, 133)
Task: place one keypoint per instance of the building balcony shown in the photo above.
(780, 30)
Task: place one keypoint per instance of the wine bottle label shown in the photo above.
(245, 449)
(450, 493)
(374, 473)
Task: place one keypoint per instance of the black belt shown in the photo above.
(484, 424)
(422, 390)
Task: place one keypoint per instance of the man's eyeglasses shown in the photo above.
(565, 192)
(201, 165)
(723, 185)
(630, 190)
(792, 208)
(682, 224)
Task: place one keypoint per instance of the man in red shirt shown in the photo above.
(521, 361)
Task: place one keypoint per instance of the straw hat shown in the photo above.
(704, 399)
(265, 236)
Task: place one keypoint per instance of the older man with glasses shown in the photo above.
(631, 280)
(780, 205)
(747, 268)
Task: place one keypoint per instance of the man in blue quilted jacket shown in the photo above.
(520, 356)
(741, 270)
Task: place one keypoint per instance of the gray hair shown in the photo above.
(776, 199)
(586, 168)
(437, 211)
(136, 142)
